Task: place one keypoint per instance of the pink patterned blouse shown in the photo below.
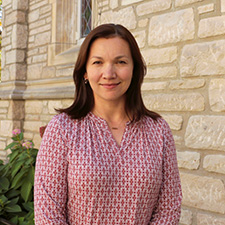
(84, 177)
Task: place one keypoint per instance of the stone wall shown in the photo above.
(183, 44)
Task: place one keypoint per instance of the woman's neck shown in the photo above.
(114, 114)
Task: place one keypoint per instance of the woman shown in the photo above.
(107, 159)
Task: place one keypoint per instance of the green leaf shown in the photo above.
(14, 220)
(30, 175)
(13, 201)
(21, 136)
(16, 167)
(29, 206)
(29, 161)
(4, 183)
(26, 190)
(3, 198)
(12, 193)
(14, 208)
(13, 155)
(17, 178)
(11, 145)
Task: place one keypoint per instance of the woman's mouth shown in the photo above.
(110, 86)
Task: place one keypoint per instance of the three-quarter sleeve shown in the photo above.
(168, 209)
(50, 187)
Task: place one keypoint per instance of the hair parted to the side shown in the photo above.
(84, 98)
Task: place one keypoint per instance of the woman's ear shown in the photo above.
(85, 76)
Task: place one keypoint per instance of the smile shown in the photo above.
(110, 86)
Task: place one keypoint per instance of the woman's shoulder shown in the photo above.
(158, 124)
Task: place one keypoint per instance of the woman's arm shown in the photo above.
(50, 188)
(168, 209)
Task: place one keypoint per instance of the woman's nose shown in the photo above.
(109, 72)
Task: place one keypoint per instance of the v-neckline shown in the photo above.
(104, 123)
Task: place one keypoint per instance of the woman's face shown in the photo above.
(109, 69)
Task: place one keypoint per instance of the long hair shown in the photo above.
(84, 98)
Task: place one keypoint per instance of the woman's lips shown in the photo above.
(110, 86)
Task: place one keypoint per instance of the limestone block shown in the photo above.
(32, 52)
(2, 145)
(15, 56)
(45, 9)
(161, 72)
(214, 163)
(38, 5)
(175, 122)
(32, 117)
(204, 219)
(18, 71)
(211, 26)
(6, 2)
(6, 127)
(37, 140)
(188, 160)
(3, 59)
(203, 192)
(39, 58)
(40, 29)
(64, 72)
(32, 126)
(205, 8)
(186, 84)
(186, 217)
(42, 38)
(124, 16)
(222, 5)
(113, 4)
(185, 2)
(4, 104)
(20, 5)
(67, 102)
(206, 58)
(36, 24)
(140, 37)
(178, 140)
(174, 102)
(154, 86)
(171, 27)
(217, 95)
(143, 22)
(33, 16)
(19, 36)
(206, 132)
(33, 107)
(34, 71)
(3, 111)
(6, 41)
(154, 56)
(52, 105)
(43, 49)
(15, 17)
(152, 6)
(129, 2)
(48, 72)
(16, 110)
(28, 136)
(5, 75)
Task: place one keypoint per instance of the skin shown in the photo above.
(109, 70)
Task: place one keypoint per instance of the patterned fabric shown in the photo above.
(84, 177)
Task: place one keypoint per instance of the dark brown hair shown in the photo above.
(84, 99)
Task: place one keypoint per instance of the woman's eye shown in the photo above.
(97, 62)
(121, 62)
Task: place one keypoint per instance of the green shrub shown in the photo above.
(17, 182)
